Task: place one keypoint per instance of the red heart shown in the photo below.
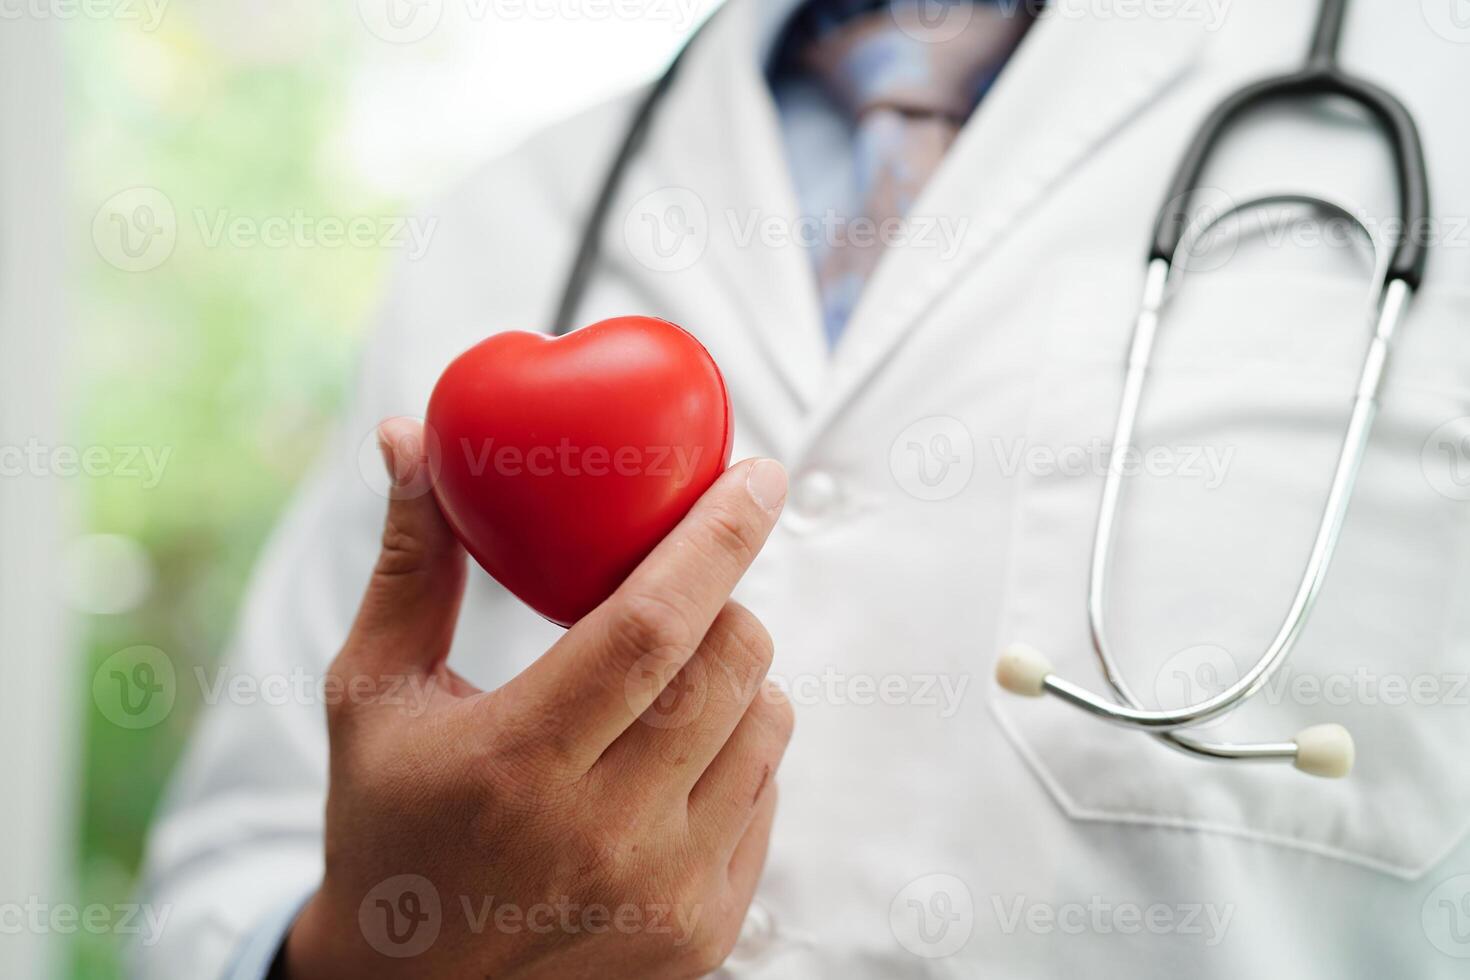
(562, 462)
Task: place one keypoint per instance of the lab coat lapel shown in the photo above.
(716, 156)
(1074, 81)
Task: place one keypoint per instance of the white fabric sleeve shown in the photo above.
(254, 959)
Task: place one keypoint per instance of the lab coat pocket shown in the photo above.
(1243, 416)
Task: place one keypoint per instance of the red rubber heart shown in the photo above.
(562, 462)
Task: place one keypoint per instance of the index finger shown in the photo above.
(610, 666)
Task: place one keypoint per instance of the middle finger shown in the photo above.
(674, 741)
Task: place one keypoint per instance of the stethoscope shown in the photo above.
(1321, 750)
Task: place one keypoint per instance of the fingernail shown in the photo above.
(401, 449)
(387, 452)
(766, 482)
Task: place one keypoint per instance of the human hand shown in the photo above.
(565, 825)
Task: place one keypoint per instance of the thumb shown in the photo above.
(409, 611)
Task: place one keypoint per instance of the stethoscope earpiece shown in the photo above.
(1022, 670)
(1324, 750)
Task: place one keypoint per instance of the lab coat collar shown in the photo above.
(1080, 76)
(716, 153)
(771, 18)
(716, 150)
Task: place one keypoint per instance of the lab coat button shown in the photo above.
(816, 495)
(756, 933)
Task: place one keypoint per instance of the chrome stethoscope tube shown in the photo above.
(1322, 750)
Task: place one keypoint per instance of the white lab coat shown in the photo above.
(1064, 847)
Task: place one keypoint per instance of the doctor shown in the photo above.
(914, 246)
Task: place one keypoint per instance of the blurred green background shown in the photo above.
(230, 359)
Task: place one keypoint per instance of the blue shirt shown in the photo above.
(818, 135)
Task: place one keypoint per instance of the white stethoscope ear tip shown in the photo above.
(1022, 670)
(1325, 750)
